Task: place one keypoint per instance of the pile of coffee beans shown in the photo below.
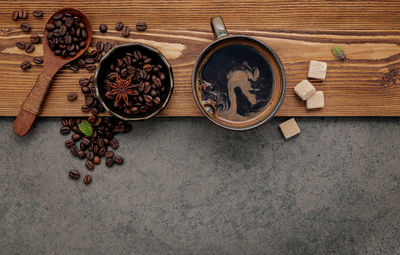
(99, 144)
(148, 80)
(67, 34)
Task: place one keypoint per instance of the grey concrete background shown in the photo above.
(189, 187)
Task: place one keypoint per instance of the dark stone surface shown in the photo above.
(194, 188)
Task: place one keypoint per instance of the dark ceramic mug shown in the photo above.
(238, 81)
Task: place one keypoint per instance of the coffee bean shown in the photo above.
(96, 160)
(72, 97)
(102, 151)
(87, 179)
(109, 154)
(73, 67)
(14, 16)
(63, 30)
(90, 67)
(114, 144)
(74, 150)
(109, 162)
(69, 143)
(71, 122)
(119, 26)
(58, 16)
(29, 48)
(25, 65)
(49, 27)
(137, 54)
(125, 31)
(89, 165)
(37, 13)
(76, 137)
(22, 14)
(156, 81)
(161, 76)
(38, 60)
(84, 81)
(65, 130)
(99, 46)
(156, 100)
(141, 26)
(107, 47)
(20, 45)
(90, 155)
(25, 27)
(74, 174)
(81, 154)
(35, 39)
(118, 160)
(103, 28)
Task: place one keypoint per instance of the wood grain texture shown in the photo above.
(299, 31)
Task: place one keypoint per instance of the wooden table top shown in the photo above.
(368, 32)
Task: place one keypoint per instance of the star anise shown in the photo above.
(121, 89)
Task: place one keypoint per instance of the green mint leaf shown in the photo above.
(338, 53)
(85, 128)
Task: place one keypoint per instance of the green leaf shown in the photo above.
(85, 128)
(338, 53)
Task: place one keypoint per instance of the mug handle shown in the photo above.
(218, 27)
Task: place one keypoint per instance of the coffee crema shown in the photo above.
(237, 83)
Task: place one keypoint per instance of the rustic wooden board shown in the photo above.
(298, 31)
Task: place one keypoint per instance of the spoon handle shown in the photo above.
(32, 104)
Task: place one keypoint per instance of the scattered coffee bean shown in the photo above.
(65, 130)
(74, 150)
(81, 154)
(29, 48)
(103, 28)
(14, 16)
(89, 165)
(90, 67)
(114, 144)
(22, 14)
(72, 97)
(35, 39)
(85, 108)
(119, 26)
(69, 143)
(87, 179)
(38, 60)
(25, 27)
(20, 45)
(25, 65)
(125, 31)
(109, 162)
(118, 160)
(109, 154)
(37, 13)
(96, 160)
(74, 174)
(141, 26)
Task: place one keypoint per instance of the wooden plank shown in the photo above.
(297, 31)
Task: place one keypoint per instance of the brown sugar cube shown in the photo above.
(289, 128)
(317, 70)
(304, 90)
(316, 101)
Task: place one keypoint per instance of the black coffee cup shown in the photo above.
(238, 81)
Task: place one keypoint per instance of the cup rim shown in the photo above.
(280, 67)
(110, 54)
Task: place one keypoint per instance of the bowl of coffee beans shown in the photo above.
(134, 81)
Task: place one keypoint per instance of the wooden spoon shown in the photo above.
(52, 63)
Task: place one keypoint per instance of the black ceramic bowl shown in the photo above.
(103, 70)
